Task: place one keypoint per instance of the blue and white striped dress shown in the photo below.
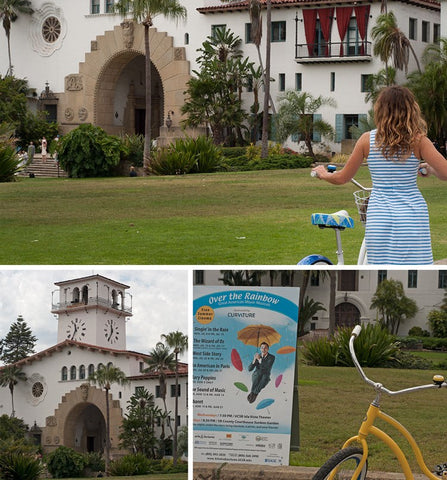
(397, 225)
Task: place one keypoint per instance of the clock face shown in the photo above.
(76, 330)
(111, 331)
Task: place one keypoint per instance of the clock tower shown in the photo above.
(92, 310)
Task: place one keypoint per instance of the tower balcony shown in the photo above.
(104, 303)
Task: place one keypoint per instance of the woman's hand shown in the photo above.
(320, 172)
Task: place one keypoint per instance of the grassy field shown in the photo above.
(258, 218)
(333, 402)
(155, 476)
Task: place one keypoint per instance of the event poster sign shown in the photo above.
(244, 350)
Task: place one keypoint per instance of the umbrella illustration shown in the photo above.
(286, 349)
(256, 334)
(264, 403)
(278, 380)
(236, 360)
(241, 386)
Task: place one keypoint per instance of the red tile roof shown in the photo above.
(243, 5)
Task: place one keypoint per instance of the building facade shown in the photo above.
(57, 401)
(354, 291)
(86, 63)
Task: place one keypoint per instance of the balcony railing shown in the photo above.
(333, 52)
(92, 301)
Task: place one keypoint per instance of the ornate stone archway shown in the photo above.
(79, 421)
(88, 93)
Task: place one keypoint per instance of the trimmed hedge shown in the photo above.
(272, 162)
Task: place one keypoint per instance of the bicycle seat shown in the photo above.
(340, 219)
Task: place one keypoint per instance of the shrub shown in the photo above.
(134, 464)
(418, 332)
(87, 151)
(64, 462)
(438, 323)
(9, 163)
(134, 145)
(16, 466)
(94, 462)
(186, 155)
(374, 347)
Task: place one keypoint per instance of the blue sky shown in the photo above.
(159, 300)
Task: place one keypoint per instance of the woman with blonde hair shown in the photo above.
(397, 226)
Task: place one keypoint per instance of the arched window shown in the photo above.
(85, 294)
(64, 373)
(346, 315)
(100, 366)
(91, 369)
(110, 364)
(73, 373)
(114, 299)
(75, 295)
(82, 372)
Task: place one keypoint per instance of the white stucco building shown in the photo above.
(91, 62)
(57, 400)
(354, 291)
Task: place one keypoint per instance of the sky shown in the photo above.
(159, 301)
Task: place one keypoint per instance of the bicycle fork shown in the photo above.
(367, 427)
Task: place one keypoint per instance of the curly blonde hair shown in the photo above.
(399, 122)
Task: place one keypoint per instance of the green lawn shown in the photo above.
(155, 476)
(333, 402)
(232, 218)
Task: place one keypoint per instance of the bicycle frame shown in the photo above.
(368, 428)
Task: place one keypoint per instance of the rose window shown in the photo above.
(51, 29)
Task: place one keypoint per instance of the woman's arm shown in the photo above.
(436, 163)
(358, 155)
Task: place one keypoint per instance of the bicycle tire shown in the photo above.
(352, 457)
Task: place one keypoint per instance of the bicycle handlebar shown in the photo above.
(333, 168)
(378, 387)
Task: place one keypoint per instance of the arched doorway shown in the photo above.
(346, 315)
(121, 95)
(85, 428)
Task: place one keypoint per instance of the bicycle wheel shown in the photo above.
(345, 461)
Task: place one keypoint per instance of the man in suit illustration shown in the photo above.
(262, 365)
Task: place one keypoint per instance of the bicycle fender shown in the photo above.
(314, 260)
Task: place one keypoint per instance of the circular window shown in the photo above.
(37, 389)
(51, 29)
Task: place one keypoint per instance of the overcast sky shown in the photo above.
(159, 301)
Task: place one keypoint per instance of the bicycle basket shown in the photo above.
(361, 198)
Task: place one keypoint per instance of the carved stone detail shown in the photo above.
(69, 114)
(93, 46)
(84, 391)
(51, 421)
(179, 54)
(83, 114)
(128, 33)
(73, 83)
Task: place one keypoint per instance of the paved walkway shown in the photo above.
(232, 471)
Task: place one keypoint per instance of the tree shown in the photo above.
(178, 341)
(19, 342)
(9, 12)
(391, 42)
(145, 11)
(265, 113)
(161, 360)
(392, 304)
(138, 428)
(105, 377)
(241, 277)
(430, 87)
(309, 308)
(296, 115)
(10, 376)
(213, 95)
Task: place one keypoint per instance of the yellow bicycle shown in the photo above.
(351, 462)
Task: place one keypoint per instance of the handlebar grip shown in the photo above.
(356, 331)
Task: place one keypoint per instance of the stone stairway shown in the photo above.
(47, 169)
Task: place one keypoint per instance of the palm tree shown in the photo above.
(10, 376)
(179, 343)
(390, 41)
(160, 361)
(265, 113)
(9, 12)
(145, 11)
(296, 116)
(105, 377)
